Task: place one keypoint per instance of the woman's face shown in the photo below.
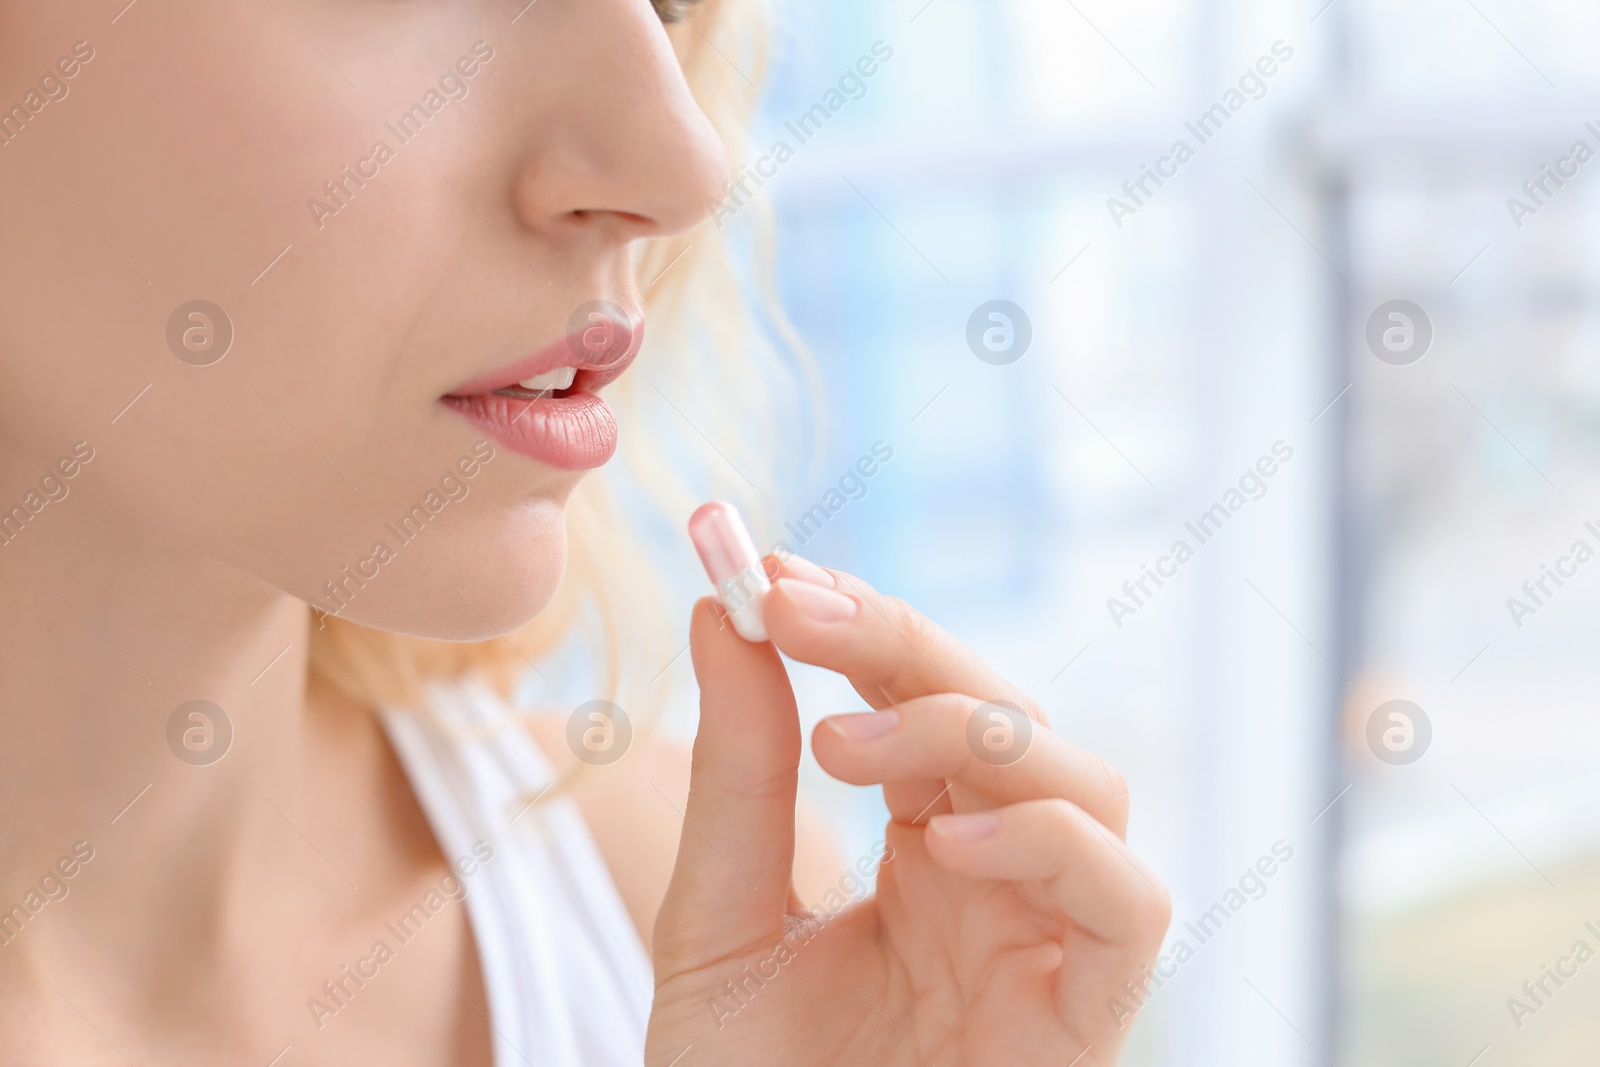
(389, 202)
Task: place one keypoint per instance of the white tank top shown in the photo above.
(569, 983)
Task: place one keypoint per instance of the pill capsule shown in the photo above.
(733, 566)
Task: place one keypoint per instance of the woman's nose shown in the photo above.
(611, 138)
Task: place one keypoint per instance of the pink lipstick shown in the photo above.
(546, 406)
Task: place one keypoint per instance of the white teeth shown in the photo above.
(560, 378)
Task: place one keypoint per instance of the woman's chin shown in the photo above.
(458, 589)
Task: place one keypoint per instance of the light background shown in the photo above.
(1168, 354)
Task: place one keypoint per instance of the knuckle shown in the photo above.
(850, 583)
(1066, 816)
(955, 709)
(907, 619)
(944, 719)
(1073, 828)
(904, 672)
(1149, 905)
(984, 739)
(1154, 913)
(1159, 907)
(1114, 787)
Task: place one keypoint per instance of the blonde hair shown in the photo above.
(697, 290)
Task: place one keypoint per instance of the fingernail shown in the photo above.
(973, 827)
(803, 569)
(865, 726)
(816, 603)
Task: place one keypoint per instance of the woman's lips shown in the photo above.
(572, 429)
(575, 432)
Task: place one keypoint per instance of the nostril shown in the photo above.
(588, 216)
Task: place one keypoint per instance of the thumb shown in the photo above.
(730, 887)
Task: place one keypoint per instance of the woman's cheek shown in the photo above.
(180, 169)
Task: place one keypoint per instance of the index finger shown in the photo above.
(835, 620)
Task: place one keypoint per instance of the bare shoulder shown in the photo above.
(634, 809)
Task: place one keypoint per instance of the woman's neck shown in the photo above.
(185, 837)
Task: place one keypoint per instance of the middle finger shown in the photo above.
(944, 738)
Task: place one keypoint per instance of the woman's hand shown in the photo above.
(1008, 912)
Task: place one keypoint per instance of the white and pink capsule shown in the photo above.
(733, 565)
